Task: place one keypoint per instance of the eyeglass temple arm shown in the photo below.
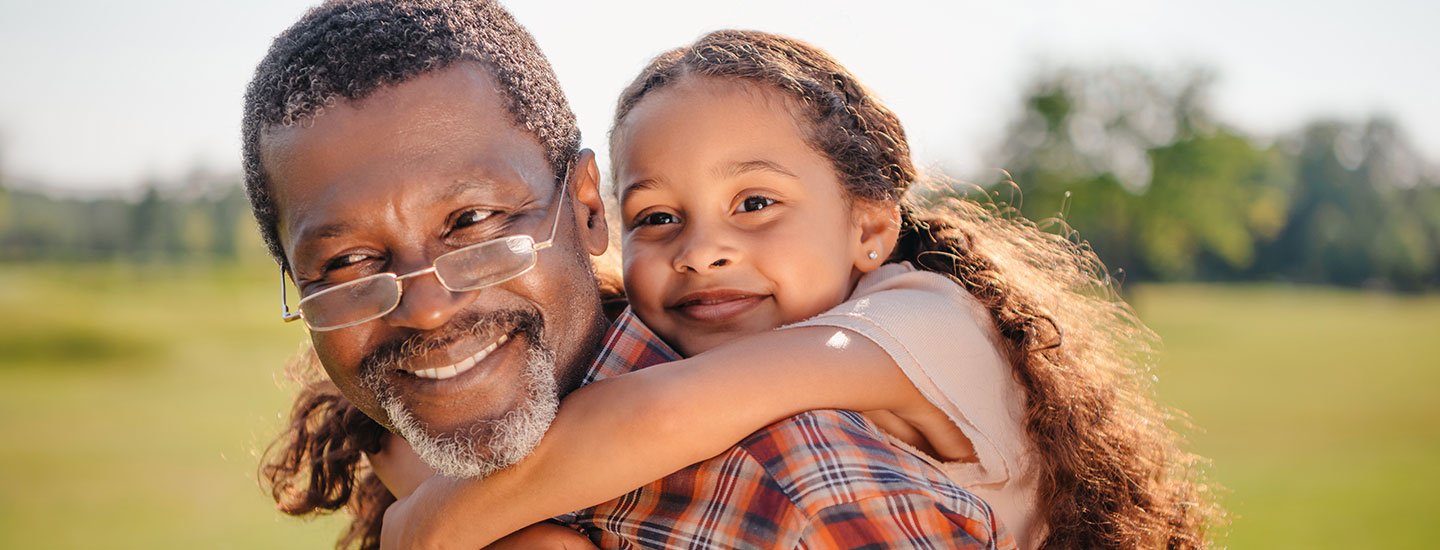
(285, 313)
(559, 208)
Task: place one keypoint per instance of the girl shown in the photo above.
(761, 186)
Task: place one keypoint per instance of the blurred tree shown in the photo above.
(103, 230)
(156, 223)
(1157, 185)
(145, 224)
(167, 222)
(1425, 200)
(5, 214)
(1364, 210)
(226, 216)
(4, 187)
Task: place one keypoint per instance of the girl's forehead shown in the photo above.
(739, 96)
(691, 103)
(718, 88)
(701, 139)
(695, 123)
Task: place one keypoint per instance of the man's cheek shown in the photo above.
(342, 364)
(325, 349)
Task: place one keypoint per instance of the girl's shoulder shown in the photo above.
(922, 296)
(946, 342)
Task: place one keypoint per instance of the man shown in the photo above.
(416, 171)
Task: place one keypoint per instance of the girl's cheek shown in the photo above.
(644, 276)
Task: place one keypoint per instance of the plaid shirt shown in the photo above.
(821, 479)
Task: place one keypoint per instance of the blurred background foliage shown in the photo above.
(201, 218)
(1133, 160)
(141, 357)
(1164, 191)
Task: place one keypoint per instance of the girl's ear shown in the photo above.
(877, 228)
(589, 208)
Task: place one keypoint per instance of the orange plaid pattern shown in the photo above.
(821, 479)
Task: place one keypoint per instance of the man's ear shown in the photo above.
(589, 209)
(877, 228)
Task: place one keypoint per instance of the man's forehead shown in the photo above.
(438, 133)
(416, 102)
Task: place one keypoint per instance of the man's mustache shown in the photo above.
(388, 356)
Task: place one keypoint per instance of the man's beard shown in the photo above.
(487, 446)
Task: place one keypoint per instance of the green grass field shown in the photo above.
(1318, 408)
(135, 401)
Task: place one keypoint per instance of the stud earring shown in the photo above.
(873, 254)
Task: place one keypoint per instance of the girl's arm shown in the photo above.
(620, 433)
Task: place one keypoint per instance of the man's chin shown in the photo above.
(475, 451)
(455, 418)
(473, 448)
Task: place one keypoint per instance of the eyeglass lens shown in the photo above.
(346, 304)
(474, 267)
(485, 264)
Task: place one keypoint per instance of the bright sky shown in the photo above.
(103, 95)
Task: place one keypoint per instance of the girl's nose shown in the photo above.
(703, 251)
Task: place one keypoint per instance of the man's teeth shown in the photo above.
(451, 371)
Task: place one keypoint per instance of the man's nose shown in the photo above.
(703, 249)
(425, 304)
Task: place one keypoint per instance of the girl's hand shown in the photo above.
(418, 520)
(543, 535)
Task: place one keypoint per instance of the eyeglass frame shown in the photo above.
(289, 316)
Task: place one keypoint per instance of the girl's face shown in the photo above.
(732, 223)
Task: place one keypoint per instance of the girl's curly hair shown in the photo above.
(318, 464)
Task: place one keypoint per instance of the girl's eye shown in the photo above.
(657, 218)
(755, 202)
(471, 217)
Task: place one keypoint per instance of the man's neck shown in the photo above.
(572, 375)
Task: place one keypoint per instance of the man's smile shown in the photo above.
(435, 372)
(455, 369)
(477, 355)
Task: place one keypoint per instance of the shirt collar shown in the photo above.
(629, 346)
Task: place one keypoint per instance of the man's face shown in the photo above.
(389, 183)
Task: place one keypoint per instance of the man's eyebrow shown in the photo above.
(758, 165)
(307, 240)
(469, 183)
(340, 228)
(326, 231)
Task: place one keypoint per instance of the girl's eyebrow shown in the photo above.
(639, 185)
(724, 171)
(758, 165)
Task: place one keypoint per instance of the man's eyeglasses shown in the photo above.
(471, 268)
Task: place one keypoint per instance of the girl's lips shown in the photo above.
(716, 306)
